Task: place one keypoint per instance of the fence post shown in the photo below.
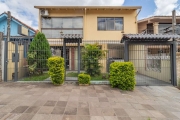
(64, 56)
(6, 46)
(16, 61)
(79, 57)
(126, 52)
(173, 64)
(1, 39)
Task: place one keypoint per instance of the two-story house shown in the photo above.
(93, 23)
(158, 25)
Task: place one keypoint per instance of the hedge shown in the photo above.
(56, 70)
(122, 75)
(84, 78)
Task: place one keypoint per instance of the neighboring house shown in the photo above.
(155, 58)
(158, 25)
(18, 29)
(94, 23)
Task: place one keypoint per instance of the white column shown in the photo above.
(156, 25)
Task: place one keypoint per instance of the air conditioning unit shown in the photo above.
(44, 13)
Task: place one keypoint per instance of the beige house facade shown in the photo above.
(94, 23)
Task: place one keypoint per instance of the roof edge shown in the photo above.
(117, 7)
(20, 22)
(154, 17)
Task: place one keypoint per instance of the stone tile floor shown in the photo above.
(43, 101)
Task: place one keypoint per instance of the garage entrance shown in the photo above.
(154, 58)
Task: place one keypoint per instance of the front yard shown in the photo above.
(102, 77)
(42, 77)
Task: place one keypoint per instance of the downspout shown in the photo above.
(84, 28)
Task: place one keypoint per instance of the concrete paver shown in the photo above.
(43, 101)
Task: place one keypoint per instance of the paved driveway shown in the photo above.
(43, 101)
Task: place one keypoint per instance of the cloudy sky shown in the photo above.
(24, 9)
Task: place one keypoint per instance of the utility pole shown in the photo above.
(173, 21)
(6, 46)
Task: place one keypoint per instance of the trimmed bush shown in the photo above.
(56, 70)
(84, 78)
(122, 75)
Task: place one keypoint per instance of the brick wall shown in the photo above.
(1, 38)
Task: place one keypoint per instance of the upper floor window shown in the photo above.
(71, 22)
(110, 23)
(53, 27)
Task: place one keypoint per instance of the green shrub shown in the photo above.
(84, 78)
(38, 53)
(91, 56)
(122, 75)
(56, 70)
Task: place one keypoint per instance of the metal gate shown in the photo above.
(152, 64)
(17, 65)
(70, 55)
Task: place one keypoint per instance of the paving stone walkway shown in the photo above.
(43, 101)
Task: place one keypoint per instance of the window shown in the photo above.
(46, 23)
(154, 63)
(110, 24)
(74, 22)
(52, 27)
(155, 55)
(67, 23)
(165, 28)
(57, 23)
(77, 22)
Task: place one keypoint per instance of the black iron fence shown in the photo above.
(28, 61)
(32, 58)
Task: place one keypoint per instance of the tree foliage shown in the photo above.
(38, 53)
(91, 56)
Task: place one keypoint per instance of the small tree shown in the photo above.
(91, 56)
(38, 53)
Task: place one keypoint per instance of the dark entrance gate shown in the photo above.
(72, 55)
(15, 58)
(154, 58)
(152, 64)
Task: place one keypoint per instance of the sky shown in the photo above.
(24, 9)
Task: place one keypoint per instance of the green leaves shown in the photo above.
(91, 55)
(84, 78)
(56, 70)
(122, 75)
(38, 52)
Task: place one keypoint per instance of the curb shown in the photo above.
(91, 82)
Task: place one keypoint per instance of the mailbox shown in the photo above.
(14, 57)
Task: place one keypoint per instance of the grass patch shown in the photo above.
(37, 77)
(72, 74)
(103, 76)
